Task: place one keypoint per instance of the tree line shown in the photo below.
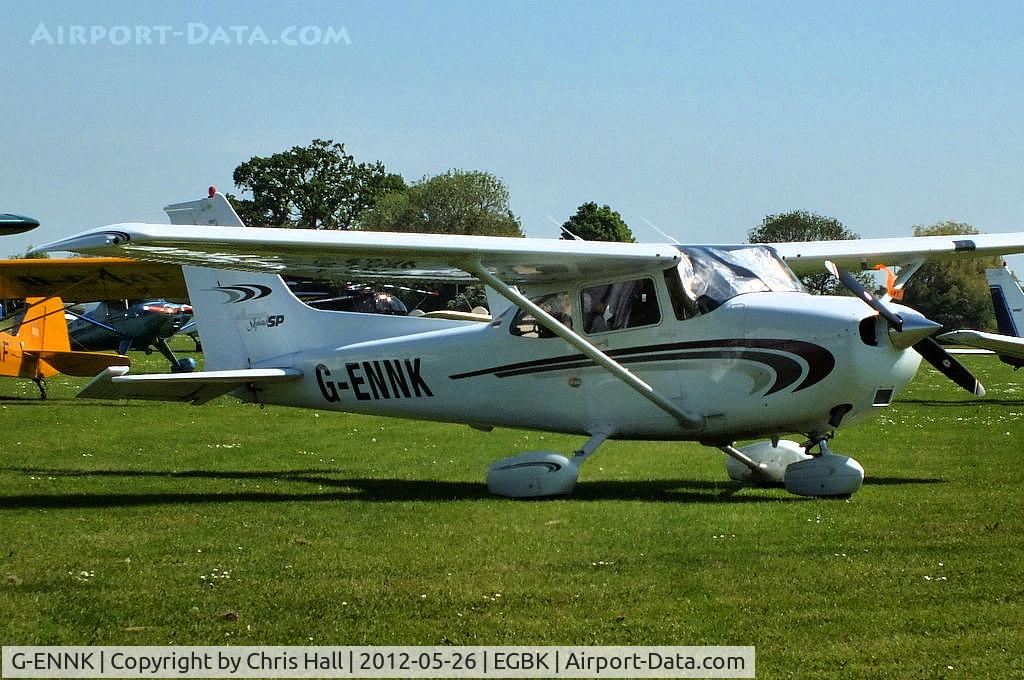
(321, 186)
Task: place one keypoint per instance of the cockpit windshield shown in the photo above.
(711, 275)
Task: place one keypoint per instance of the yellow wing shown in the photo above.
(86, 279)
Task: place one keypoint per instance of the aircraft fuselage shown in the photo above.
(758, 365)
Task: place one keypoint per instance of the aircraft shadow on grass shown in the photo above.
(383, 490)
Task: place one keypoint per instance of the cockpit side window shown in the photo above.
(558, 305)
(614, 306)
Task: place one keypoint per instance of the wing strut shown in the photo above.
(687, 420)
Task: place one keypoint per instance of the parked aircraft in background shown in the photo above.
(1008, 301)
(16, 224)
(713, 344)
(34, 344)
(117, 325)
(132, 324)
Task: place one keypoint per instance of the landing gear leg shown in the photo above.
(821, 442)
(177, 365)
(763, 463)
(588, 449)
(41, 384)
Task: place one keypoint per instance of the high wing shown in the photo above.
(1009, 348)
(809, 258)
(375, 255)
(89, 279)
(370, 255)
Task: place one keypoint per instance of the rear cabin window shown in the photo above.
(558, 305)
(614, 306)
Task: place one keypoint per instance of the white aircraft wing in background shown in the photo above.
(859, 254)
(1008, 302)
(1006, 346)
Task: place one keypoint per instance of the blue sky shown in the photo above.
(700, 117)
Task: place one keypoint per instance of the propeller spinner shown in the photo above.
(913, 331)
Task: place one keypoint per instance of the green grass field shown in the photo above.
(144, 523)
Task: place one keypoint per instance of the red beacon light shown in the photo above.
(212, 191)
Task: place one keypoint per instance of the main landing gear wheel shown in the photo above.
(537, 474)
(826, 475)
(786, 463)
(533, 474)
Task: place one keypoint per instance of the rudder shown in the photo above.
(43, 325)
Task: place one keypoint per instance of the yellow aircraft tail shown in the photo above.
(43, 326)
(38, 346)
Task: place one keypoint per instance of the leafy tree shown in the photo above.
(800, 225)
(319, 186)
(593, 223)
(955, 293)
(456, 202)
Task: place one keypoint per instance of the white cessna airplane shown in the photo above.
(713, 344)
(1008, 302)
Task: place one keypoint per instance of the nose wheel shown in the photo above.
(821, 474)
(825, 474)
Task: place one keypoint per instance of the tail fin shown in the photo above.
(43, 325)
(245, 319)
(1008, 301)
(248, 320)
(41, 338)
(238, 314)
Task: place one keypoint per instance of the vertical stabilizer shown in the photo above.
(1007, 300)
(249, 320)
(235, 312)
(245, 319)
(44, 326)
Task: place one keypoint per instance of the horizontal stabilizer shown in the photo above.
(81, 364)
(196, 388)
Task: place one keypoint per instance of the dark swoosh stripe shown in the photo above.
(245, 292)
(819, 360)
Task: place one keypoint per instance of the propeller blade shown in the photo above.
(943, 361)
(894, 320)
(927, 347)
